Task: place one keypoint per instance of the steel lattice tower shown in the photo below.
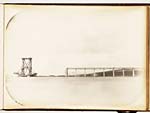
(26, 69)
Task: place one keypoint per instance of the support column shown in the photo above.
(30, 66)
(22, 68)
(66, 72)
(75, 71)
(113, 72)
(94, 72)
(123, 72)
(133, 72)
(85, 72)
(103, 71)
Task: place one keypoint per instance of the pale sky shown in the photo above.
(57, 37)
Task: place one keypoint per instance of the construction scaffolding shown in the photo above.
(26, 68)
(103, 72)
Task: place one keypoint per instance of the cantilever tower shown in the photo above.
(26, 69)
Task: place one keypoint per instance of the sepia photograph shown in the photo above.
(75, 57)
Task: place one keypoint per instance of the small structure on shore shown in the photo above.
(26, 68)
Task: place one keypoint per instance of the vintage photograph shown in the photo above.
(75, 57)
